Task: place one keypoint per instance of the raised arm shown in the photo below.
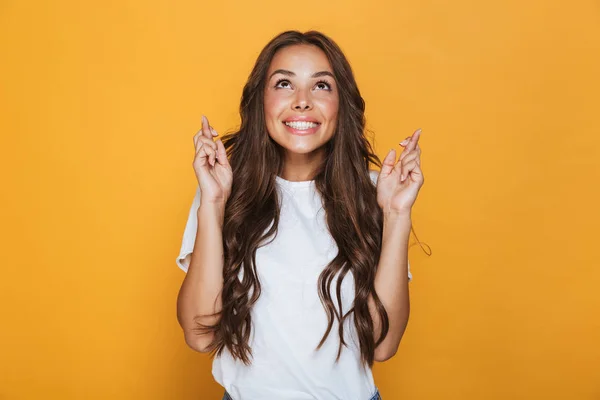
(200, 293)
(398, 184)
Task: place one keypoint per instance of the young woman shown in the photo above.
(295, 251)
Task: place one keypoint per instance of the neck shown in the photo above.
(302, 167)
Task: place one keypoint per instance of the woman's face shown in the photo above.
(301, 99)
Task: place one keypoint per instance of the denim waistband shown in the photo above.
(376, 396)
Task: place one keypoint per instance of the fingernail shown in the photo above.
(418, 130)
(203, 119)
(404, 142)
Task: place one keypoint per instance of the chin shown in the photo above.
(299, 145)
(299, 150)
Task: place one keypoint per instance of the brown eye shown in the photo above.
(282, 82)
(323, 85)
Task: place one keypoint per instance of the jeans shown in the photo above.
(376, 396)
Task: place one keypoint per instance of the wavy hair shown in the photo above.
(354, 219)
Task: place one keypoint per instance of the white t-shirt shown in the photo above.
(288, 320)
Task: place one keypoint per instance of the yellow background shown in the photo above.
(99, 103)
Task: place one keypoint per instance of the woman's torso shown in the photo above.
(289, 320)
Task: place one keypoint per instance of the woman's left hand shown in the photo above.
(399, 182)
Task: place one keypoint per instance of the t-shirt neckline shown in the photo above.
(293, 184)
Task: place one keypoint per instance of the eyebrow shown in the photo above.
(290, 73)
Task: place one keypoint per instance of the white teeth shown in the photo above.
(301, 125)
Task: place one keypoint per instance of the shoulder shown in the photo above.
(373, 174)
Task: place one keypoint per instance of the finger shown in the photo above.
(221, 153)
(211, 158)
(200, 158)
(388, 163)
(405, 143)
(418, 150)
(199, 136)
(204, 151)
(415, 139)
(206, 148)
(200, 150)
(398, 168)
(210, 154)
(208, 142)
(211, 150)
(412, 144)
(206, 128)
(213, 131)
(407, 169)
(196, 137)
(410, 156)
(416, 174)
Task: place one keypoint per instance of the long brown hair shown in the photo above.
(354, 218)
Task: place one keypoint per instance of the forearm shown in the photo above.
(391, 283)
(200, 292)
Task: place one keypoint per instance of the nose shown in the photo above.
(302, 102)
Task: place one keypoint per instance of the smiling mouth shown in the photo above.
(301, 125)
(302, 128)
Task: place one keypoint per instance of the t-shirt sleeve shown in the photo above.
(374, 174)
(189, 234)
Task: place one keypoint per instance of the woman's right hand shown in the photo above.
(211, 166)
